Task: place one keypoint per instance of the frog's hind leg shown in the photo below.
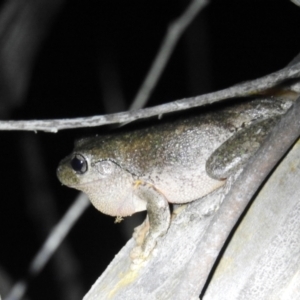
(233, 154)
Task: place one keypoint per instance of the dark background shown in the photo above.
(91, 47)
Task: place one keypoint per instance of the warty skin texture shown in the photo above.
(176, 162)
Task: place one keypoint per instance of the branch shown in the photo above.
(174, 33)
(54, 240)
(242, 90)
(259, 167)
(259, 261)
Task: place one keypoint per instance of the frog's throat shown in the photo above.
(111, 201)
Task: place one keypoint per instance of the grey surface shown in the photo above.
(263, 259)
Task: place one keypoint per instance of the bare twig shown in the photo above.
(36, 187)
(174, 33)
(58, 233)
(297, 2)
(241, 90)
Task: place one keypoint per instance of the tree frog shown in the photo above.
(171, 162)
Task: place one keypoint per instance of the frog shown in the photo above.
(171, 162)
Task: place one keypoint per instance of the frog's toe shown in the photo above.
(137, 257)
(140, 232)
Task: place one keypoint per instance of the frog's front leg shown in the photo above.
(158, 217)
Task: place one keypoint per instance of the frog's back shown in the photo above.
(154, 148)
(176, 164)
(172, 155)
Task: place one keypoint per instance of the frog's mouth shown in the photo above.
(81, 186)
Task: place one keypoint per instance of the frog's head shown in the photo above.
(109, 186)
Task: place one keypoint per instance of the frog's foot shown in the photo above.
(141, 252)
(145, 243)
(140, 232)
(137, 257)
(137, 254)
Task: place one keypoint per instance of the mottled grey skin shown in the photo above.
(174, 162)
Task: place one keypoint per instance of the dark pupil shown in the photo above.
(79, 164)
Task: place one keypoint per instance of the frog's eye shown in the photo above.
(105, 167)
(79, 164)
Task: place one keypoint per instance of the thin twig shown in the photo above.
(53, 241)
(174, 32)
(241, 90)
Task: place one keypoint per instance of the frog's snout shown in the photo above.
(62, 172)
